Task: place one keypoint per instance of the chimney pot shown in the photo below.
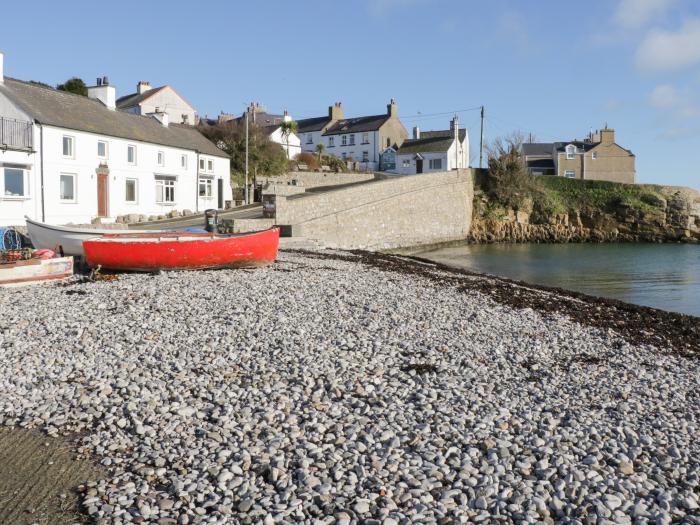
(416, 132)
(105, 81)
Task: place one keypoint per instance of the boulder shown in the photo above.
(187, 213)
(174, 214)
(132, 217)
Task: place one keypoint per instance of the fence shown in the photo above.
(16, 134)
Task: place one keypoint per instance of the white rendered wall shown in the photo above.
(171, 103)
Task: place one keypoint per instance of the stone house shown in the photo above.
(69, 158)
(434, 150)
(358, 139)
(597, 157)
(164, 98)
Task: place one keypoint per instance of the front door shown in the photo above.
(102, 194)
(419, 165)
(220, 193)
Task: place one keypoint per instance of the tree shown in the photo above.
(508, 180)
(320, 147)
(287, 128)
(265, 157)
(74, 85)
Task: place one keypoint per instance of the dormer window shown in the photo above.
(594, 155)
(571, 152)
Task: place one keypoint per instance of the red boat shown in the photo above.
(181, 250)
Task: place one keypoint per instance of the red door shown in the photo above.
(102, 195)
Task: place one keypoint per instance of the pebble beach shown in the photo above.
(330, 388)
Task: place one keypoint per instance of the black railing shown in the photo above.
(16, 134)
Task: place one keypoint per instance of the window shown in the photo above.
(102, 149)
(165, 190)
(345, 156)
(344, 140)
(161, 158)
(570, 152)
(331, 142)
(14, 183)
(68, 149)
(388, 142)
(309, 139)
(130, 190)
(406, 163)
(570, 174)
(210, 165)
(352, 140)
(183, 162)
(131, 154)
(67, 187)
(205, 188)
(201, 164)
(594, 155)
(365, 156)
(435, 164)
(365, 138)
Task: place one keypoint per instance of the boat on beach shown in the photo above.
(181, 250)
(35, 270)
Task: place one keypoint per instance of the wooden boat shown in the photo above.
(182, 251)
(34, 271)
(68, 238)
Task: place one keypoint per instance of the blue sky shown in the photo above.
(555, 69)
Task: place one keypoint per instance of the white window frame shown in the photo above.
(202, 163)
(208, 188)
(331, 142)
(344, 140)
(365, 137)
(309, 138)
(71, 140)
(365, 156)
(130, 147)
(25, 183)
(161, 158)
(136, 190)
(183, 162)
(570, 152)
(571, 172)
(75, 188)
(435, 164)
(352, 139)
(210, 165)
(406, 163)
(594, 155)
(106, 155)
(162, 186)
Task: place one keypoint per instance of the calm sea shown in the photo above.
(665, 276)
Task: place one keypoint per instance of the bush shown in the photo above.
(337, 164)
(309, 159)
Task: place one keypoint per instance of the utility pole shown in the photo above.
(245, 190)
(481, 141)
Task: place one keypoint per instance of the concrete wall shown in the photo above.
(313, 179)
(392, 213)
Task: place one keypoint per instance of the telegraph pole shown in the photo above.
(481, 140)
(245, 190)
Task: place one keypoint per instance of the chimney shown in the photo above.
(287, 118)
(142, 87)
(392, 109)
(607, 135)
(454, 127)
(416, 132)
(103, 92)
(160, 116)
(2, 70)
(335, 112)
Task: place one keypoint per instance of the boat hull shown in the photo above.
(178, 251)
(35, 271)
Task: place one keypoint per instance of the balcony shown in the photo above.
(16, 134)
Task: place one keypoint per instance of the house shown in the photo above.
(67, 158)
(149, 100)
(359, 139)
(434, 150)
(271, 124)
(597, 157)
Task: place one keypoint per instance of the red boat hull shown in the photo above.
(182, 251)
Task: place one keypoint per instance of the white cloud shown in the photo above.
(679, 103)
(670, 51)
(633, 14)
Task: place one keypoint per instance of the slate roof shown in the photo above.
(542, 149)
(357, 124)
(307, 125)
(264, 119)
(430, 141)
(585, 146)
(129, 101)
(67, 110)
(541, 163)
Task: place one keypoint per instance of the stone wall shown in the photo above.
(313, 179)
(392, 213)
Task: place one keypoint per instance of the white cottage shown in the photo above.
(165, 99)
(66, 158)
(434, 151)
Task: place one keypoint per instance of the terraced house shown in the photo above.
(360, 139)
(597, 157)
(68, 158)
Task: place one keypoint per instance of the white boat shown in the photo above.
(35, 271)
(69, 239)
